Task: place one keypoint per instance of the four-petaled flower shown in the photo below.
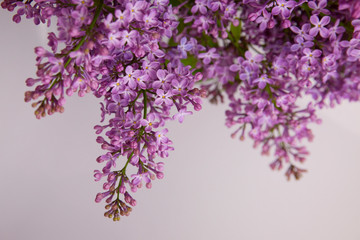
(319, 26)
(262, 81)
(211, 54)
(283, 7)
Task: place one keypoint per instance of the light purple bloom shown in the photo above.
(163, 97)
(123, 18)
(311, 56)
(149, 122)
(179, 87)
(150, 19)
(319, 8)
(200, 5)
(265, 20)
(253, 60)
(141, 79)
(211, 54)
(184, 47)
(160, 136)
(164, 79)
(247, 74)
(138, 178)
(128, 37)
(262, 81)
(133, 120)
(117, 86)
(336, 30)
(300, 44)
(181, 114)
(150, 68)
(80, 16)
(237, 66)
(283, 7)
(57, 65)
(319, 26)
(136, 10)
(303, 32)
(113, 40)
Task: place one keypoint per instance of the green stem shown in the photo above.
(123, 173)
(272, 98)
(91, 26)
(145, 104)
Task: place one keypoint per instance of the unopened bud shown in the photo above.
(114, 207)
(28, 96)
(133, 202)
(34, 104)
(133, 144)
(203, 93)
(160, 175)
(198, 76)
(197, 107)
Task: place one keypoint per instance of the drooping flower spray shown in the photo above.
(153, 61)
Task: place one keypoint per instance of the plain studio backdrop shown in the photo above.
(215, 187)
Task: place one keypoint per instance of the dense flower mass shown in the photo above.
(153, 60)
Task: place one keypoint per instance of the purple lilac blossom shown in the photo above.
(150, 61)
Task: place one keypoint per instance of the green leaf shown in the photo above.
(236, 31)
(197, 70)
(181, 25)
(175, 3)
(191, 60)
(206, 40)
(172, 43)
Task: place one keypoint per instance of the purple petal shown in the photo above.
(312, 5)
(285, 13)
(158, 101)
(295, 29)
(306, 51)
(314, 31)
(188, 47)
(207, 60)
(322, 3)
(275, 10)
(183, 41)
(248, 54)
(262, 85)
(308, 44)
(194, 9)
(290, 4)
(160, 74)
(203, 9)
(306, 27)
(234, 68)
(324, 32)
(258, 58)
(325, 21)
(316, 53)
(314, 20)
(295, 47)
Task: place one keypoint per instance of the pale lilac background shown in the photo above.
(214, 188)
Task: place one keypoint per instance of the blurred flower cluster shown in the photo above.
(276, 61)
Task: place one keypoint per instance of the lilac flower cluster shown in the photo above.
(112, 49)
(269, 55)
(144, 57)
